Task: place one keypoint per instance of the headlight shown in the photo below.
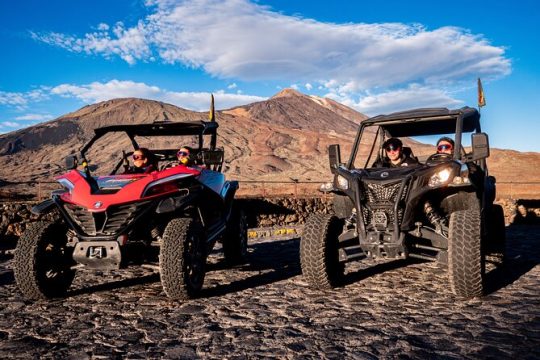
(326, 187)
(463, 177)
(446, 177)
(440, 178)
(342, 183)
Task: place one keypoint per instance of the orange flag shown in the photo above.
(481, 97)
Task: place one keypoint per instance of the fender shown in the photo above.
(228, 192)
(178, 202)
(44, 207)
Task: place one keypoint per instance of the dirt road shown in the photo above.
(265, 309)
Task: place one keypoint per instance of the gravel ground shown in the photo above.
(264, 309)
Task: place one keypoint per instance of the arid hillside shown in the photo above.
(285, 137)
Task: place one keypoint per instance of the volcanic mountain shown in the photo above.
(285, 137)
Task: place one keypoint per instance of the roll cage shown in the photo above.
(211, 156)
(419, 122)
(196, 128)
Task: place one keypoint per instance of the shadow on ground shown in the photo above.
(279, 260)
(522, 255)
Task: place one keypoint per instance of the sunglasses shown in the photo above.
(444, 147)
(392, 148)
(182, 153)
(139, 157)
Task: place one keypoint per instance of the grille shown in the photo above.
(379, 201)
(107, 222)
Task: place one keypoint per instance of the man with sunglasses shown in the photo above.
(394, 155)
(143, 162)
(445, 145)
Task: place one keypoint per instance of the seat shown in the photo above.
(407, 151)
(212, 159)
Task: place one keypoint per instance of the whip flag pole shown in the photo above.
(212, 118)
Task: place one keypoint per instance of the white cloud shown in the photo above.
(413, 96)
(128, 43)
(12, 98)
(232, 86)
(35, 117)
(96, 91)
(21, 99)
(211, 34)
(308, 86)
(10, 124)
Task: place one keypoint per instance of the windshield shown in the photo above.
(419, 147)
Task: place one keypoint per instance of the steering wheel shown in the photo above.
(168, 164)
(438, 157)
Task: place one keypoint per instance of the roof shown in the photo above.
(162, 129)
(198, 128)
(430, 121)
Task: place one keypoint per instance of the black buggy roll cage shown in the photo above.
(418, 122)
(197, 128)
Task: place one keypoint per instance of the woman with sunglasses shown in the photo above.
(143, 162)
(184, 156)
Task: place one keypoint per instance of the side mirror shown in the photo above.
(71, 162)
(334, 157)
(480, 146)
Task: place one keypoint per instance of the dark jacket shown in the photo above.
(405, 161)
(142, 170)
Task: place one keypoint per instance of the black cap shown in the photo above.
(393, 141)
(447, 139)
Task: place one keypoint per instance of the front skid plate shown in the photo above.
(98, 254)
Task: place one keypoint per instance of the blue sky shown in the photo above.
(376, 57)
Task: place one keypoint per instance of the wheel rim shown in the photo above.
(195, 263)
(243, 234)
(53, 262)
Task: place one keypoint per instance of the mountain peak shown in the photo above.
(289, 92)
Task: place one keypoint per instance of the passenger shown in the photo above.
(445, 145)
(143, 162)
(394, 155)
(184, 156)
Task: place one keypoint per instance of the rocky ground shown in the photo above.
(264, 309)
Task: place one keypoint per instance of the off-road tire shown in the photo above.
(342, 206)
(319, 255)
(465, 263)
(182, 259)
(235, 238)
(42, 261)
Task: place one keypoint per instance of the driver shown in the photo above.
(394, 155)
(143, 162)
(445, 145)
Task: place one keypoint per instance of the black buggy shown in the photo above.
(441, 209)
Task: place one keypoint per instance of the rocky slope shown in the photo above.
(281, 138)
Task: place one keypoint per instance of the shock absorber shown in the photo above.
(434, 217)
(155, 233)
(351, 220)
